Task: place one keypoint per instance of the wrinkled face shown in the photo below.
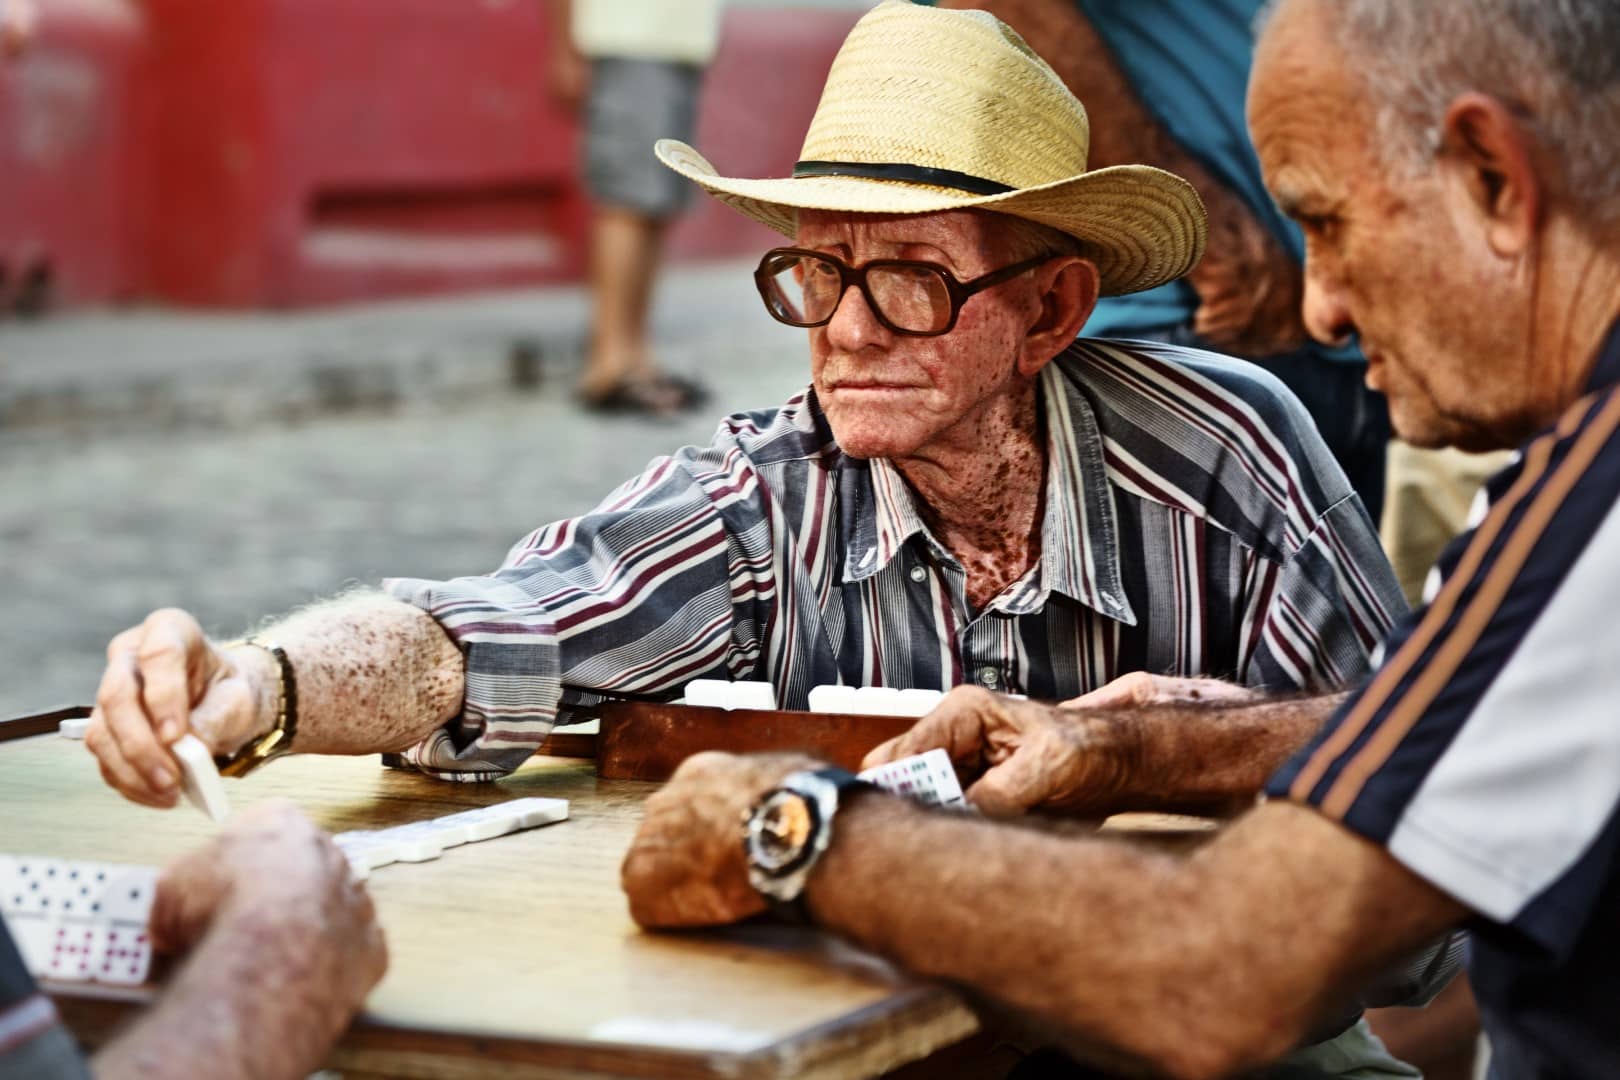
(1398, 259)
(889, 395)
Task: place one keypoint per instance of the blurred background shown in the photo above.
(291, 295)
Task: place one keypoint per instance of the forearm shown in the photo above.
(246, 1004)
(374, 674)
(1212, 757)
(1193, 965)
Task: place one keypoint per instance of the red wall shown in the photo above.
(251, 153)
(72, 159)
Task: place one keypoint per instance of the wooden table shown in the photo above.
(515, 957)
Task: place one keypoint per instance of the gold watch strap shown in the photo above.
(278, 740)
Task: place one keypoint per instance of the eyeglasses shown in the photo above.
(917, 299)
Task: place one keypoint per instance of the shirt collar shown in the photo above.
(1079, 534)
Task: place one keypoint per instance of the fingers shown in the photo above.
(173, 658)
(155, 673)
(121, 738)
(958, 724)
(1140, 688)
(1136, 688)
(1011, 788)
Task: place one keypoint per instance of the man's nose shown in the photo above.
(1327, 315)
(853, 326)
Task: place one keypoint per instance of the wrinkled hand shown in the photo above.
(278, 883)
(1032, 756)
(165, 678)
(686, 865)
(1250, 289)
(1139, 688)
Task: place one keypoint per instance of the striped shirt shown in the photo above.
(1194, 525)
(1485, 751)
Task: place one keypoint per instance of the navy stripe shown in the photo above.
(913, 174)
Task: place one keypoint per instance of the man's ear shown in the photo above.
(1491, 156)
(1069, 288)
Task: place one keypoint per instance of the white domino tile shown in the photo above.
(721, 694)
(73, 728)
(79, 921)
(873, 700)
(928, 778)
(199, 778)
(421, 841)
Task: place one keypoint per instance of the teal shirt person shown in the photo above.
(1188, 61)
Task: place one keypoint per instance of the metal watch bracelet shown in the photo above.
(278, 740)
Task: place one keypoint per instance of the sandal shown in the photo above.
(626, 398)
(691, 392)
(661, 395)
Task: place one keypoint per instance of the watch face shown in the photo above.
(779, 833)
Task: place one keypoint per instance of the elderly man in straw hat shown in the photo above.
(964, 492)
(1455, 166)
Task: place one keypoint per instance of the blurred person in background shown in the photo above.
(635, 68)
(1169, 77)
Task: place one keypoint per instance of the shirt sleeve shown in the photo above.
(33, 1042)
(667, 580)
(1484, 753)
(1322, 612)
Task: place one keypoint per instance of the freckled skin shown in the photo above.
(957, 414)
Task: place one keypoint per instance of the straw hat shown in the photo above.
(927, 110)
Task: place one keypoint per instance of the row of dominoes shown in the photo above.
(859, 700)
(79, 920)
(424, 840)
(928, 778)
(873, 700)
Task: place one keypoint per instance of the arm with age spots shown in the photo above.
(1194, 965)
(374, 674)
(1153, 745)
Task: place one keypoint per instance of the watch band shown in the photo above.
(824, 791)
(278, 740)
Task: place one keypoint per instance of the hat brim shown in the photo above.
(1142, 226)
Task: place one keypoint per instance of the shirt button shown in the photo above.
(989, 677)
(919, 575)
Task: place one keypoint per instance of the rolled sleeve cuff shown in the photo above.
(513, 679)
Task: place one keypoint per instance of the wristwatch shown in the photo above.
(787, 831)
(278, 740)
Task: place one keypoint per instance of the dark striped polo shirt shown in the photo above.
(1194, 525)
(1485, 751)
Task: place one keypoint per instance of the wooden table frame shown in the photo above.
(887, 1019)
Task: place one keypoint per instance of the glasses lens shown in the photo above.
(801, 290)
(911, 296)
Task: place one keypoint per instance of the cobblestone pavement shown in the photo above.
(235, 525)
